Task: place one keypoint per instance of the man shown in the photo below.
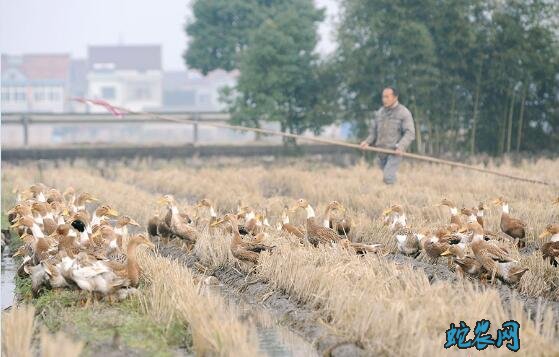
(392, 128)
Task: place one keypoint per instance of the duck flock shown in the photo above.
(72, 240)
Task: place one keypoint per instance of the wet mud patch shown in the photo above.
(301, 319)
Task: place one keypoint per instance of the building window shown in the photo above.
(19, 95)
(39, 94)
(108, 92)
(5, 95)
(54, 95)
(204, 99)
(139, 92)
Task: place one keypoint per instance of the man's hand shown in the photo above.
(399, 151)
(364, 144)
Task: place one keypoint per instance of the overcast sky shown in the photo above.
(69, 26)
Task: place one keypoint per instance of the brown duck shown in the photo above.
(286, 226)
(360, 248)
(550, 250)
(178, 226)
(130, 269)
(316, 234)
(244, 251)
(492, 256)
(513, 227)
(454, 216)
(342, 224)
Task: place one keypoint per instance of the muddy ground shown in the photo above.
(299, 318)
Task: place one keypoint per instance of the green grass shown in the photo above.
(103, 327)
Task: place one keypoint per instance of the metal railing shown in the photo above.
(25, 120)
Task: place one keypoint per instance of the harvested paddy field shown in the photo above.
(199, 298)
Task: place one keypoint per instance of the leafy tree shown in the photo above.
(280, 75)
(220, 32)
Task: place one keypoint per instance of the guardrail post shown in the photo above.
(195, 129)
(25, 123)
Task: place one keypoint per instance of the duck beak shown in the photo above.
(294, 209)
(463, 230)
(93, 199)
(112, 212)
(446, 253)
(16, 224)
(162, 201)
(134, 223)
(545, 234)
(217, 223)
(387, 211)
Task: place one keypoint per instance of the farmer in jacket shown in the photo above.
(391, 128)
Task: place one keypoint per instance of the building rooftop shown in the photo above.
(36, 67)
(139, 57)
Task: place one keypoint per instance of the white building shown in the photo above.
(191, 91)
(35, 83)
(127, 76)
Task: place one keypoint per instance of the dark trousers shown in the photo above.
(389, 165)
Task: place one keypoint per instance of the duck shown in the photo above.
(435, 243)
(206, 203)
(94, 276)
(81, 201)
(43, 212)
(550, 250)
(394, 217)
(316, 234)
(178, 227)
(53, 195)
(407, 242)
(40, 246)
(469, 264)
(454, 216)
(513, 227)
(510, 272)
(102, 213)
(480, 212)
(341, 225)
(122, 223)
(152, 225)
(360, 248)
(129, 268)
(488, 254)
(286, 226)
(241, 250)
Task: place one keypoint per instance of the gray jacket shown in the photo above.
(392, 128)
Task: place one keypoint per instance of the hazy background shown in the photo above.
(69, 26)
(479, 76)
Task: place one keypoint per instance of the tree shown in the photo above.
(220, 32)
(477, 75)
(280, 75)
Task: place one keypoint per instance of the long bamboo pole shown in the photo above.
(120, 110)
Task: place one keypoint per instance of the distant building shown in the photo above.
(191, 91)
(127, 76)
(35, 83)
(77, 84)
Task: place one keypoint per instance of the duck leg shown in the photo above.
(459, 272)
(493, 274)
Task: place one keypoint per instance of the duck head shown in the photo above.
(551, 230)
(500, 201)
